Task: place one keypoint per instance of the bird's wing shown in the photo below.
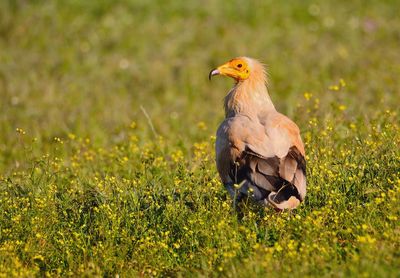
(268, 152)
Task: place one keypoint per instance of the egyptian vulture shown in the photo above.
(259, 151)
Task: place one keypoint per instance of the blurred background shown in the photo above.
(86, 67)
(107, 119)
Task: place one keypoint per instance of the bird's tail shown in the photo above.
(286, 198)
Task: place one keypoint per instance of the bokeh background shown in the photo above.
(93, 93)
(88, 66)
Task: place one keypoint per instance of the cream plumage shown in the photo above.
(258, 148)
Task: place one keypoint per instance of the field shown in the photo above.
(107, 131)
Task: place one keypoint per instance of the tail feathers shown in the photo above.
(286, 198)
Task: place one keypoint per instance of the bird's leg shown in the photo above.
(230, 188)
(230, 184)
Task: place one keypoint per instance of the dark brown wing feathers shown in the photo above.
(266, 173)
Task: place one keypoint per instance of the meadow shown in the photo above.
(107, 131)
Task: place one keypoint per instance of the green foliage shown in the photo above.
(89, 188)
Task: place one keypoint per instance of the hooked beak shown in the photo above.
(226, 70)
(212, 73)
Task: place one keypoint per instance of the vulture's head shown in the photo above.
(242, 69)
(237, 68)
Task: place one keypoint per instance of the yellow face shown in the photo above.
(237, 68)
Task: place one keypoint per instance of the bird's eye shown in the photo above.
(239, 65)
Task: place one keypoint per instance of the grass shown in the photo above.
(88, 188)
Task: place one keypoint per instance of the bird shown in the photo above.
(259, 152)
